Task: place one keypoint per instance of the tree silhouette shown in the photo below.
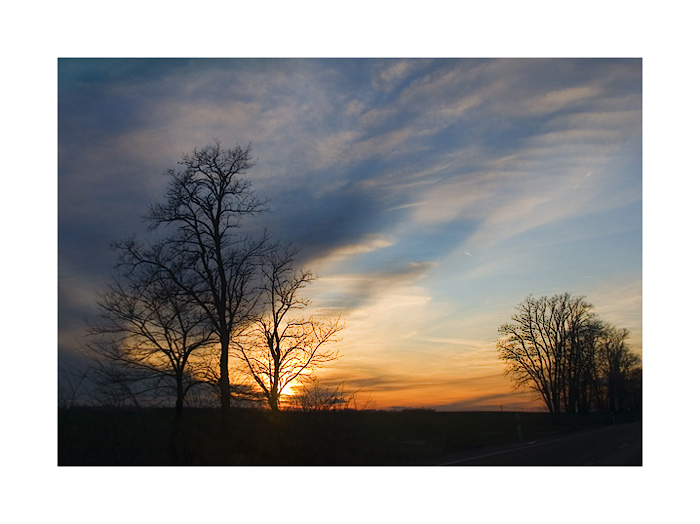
(559, 348)
(204, 253)
(618, 368)
(315, 397)
(146, 336)
(280, 348)
(312, 395)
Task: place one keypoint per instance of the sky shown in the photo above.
(430, 196)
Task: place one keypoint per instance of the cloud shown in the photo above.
(340, 254)
(545, 180)
(625, 123)
(620, 303)
(506, 400)
(561, 98)
(352, 293)
(389, 144)
(387, 78)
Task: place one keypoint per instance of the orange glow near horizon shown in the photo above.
(451, 398)
(482, 388)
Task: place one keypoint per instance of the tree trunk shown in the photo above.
(179, 401)
(273, 399)
(224, 383)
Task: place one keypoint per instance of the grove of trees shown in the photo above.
(203, 289)
(576, 363)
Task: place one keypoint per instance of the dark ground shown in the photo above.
(342, 438)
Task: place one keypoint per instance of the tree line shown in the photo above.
(576, 363)
(202, 291)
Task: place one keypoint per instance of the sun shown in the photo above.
(290, 389)
(290, 392)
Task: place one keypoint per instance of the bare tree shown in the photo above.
(583, 332)
(550, 347)
(619, 371)
(146, 337)
(205, 254)
(280, 348)
(314, 396)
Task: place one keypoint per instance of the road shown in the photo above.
(619, 445)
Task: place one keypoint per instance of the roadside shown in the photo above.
(618, 445)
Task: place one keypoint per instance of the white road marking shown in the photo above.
(522, 447)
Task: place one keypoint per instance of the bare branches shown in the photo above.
(278, 348)
(148, 332)
(71, 385)
(554, 346)
(203, 281)
(619, 370)
(203, 252)
(207, 196)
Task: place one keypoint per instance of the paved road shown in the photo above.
(619, 445)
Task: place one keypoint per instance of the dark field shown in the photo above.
(148, 437)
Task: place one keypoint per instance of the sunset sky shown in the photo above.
(430, 196)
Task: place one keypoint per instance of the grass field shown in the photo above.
(254, 437)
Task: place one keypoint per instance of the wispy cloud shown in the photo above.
(562, 98)
(391, 73)
(349, 292)
(339, 254)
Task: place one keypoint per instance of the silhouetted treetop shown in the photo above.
(208, 196)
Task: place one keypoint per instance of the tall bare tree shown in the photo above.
(204, 252)
(549, 346)
(279, 347)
